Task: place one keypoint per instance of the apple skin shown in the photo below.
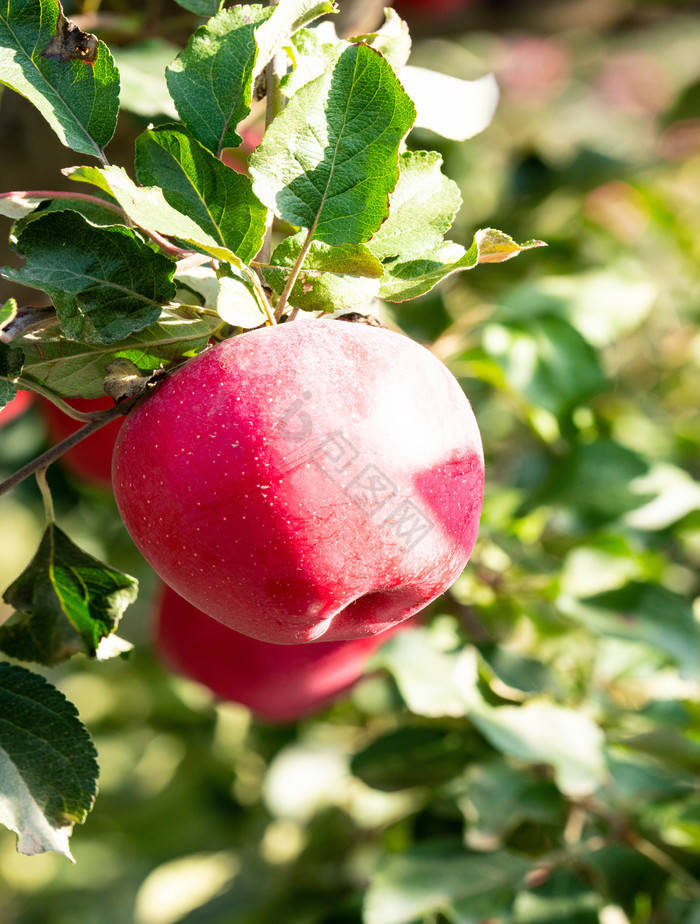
(278, 683)
(90, 460)
(316, 479)
(18, 405)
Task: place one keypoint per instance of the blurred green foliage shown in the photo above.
(531, 754)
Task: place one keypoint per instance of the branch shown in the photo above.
(99, 420)
(57, 194)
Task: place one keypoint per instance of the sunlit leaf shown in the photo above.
(48, 770)
(67, 74)
(65, 601)
(330, 159)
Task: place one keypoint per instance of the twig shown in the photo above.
(273, 106)
(292, 278)
(57, 194)
(100, 419)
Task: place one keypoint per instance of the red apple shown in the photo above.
(18, 405)
(279, 683)
(314, 479)
(91, 459)
(237, 158)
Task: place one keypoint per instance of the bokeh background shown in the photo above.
(530, 754)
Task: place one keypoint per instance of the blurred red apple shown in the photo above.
(316, 479)
(91, 459)
(279, 683)
(237, 158)
(18, 405)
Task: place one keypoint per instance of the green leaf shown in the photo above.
(142, 70)
(432, 683)
(211, 81)
(288, 16)
(194, 182)
(105, 282)
(423, 207)
(311, 52)
(347, 275)
(498, 798)
(11, 361)
(202, 8)
(70, 368)
(65, 601)
(392, 40)
(237, 305)
(434, 878)
(546, 360)
(407, 277)
(646, 613)
(69, 76)
(414, 755)
(329, 160)
(48, 770)
(564, 899)
(574, 482)
(148, 208)
(541, 732)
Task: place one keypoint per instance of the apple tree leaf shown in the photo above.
(211, 81)
(311, 51)
(104, 282)
(204, 8)
(237, 304)
(546, 360)
(48, 767)
(407, 277)
(345, 276)
(329, 160)
(542, 732)
(441, 876)
(65, 601)
(423, 207)
(70, 368)
(646, 613)
(148, 208)
(195, 183)
(11, 361)
(392, 39)
(67, 74)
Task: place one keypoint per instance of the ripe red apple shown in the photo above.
(18, 405)
(316, 479)
(91, 459)
(279, 683)
(237, 158)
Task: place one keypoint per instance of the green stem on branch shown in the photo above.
(45, 494)
(292, 278)
(273, 106)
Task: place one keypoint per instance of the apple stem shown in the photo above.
(100, 419)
